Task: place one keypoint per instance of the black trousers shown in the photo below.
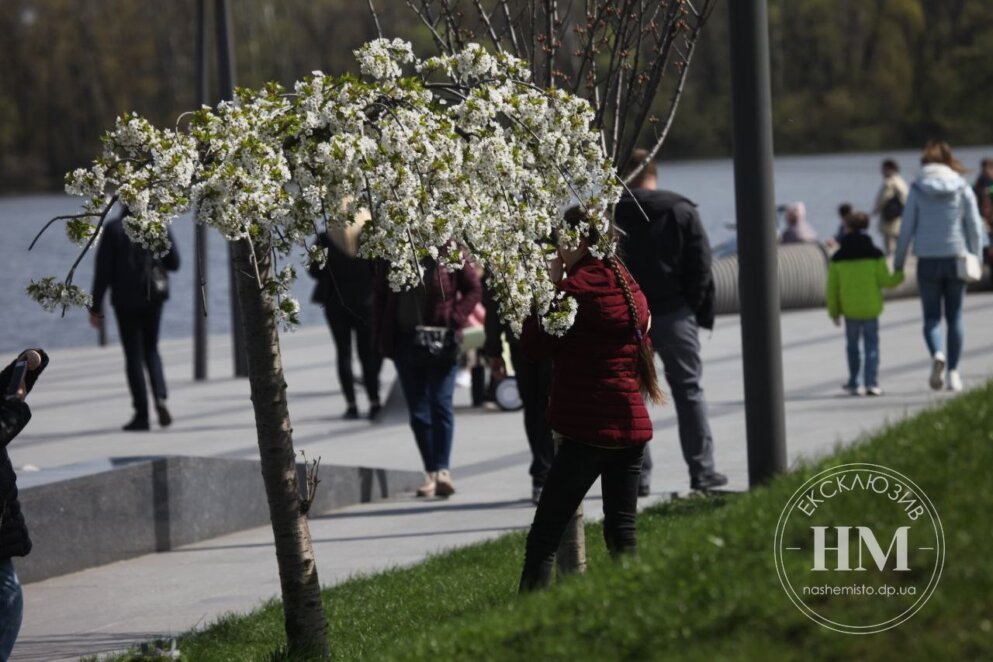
(575, 468)
(139, 332)
(344, 322)
(534, 382)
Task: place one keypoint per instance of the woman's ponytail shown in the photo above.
(648, 380)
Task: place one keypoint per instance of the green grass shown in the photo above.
(704, 585)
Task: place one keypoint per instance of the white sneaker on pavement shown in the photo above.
(937, 380)
(954, 381)
(429, 487)
(445, 486)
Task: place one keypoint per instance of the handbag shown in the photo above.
(435, 346)
(968, 268)
(159, 282)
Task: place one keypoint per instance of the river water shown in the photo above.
(820, 181)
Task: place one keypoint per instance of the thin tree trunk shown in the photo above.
(306, 623)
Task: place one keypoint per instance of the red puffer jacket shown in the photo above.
(595, 396)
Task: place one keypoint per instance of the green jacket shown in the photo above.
(856, 277)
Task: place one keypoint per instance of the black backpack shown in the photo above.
(892, 209)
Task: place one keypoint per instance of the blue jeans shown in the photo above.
(11, 608)
(868, 331)
(428, 391)
(938, 282)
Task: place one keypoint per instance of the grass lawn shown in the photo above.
(704, 585)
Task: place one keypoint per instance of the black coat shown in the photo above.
(345, 281)
(14, 539)
(126, 268)
(669, 254)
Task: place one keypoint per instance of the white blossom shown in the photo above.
(465, 157)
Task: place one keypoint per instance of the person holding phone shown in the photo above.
(16, 379)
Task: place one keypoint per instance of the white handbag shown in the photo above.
(969, 268)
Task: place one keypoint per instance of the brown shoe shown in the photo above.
(444, 485)
(429, 487)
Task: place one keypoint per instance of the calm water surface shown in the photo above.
(821, 181)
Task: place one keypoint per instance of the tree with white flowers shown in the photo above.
(460, 149)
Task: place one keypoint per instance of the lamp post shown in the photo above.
(758, 281)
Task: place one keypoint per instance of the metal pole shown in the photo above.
(765, 424)
(199, 229)
(225, 61)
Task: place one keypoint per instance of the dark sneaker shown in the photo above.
(374, 411)
(165, 418)
(137, 425)
(351, 413)
(708, 481)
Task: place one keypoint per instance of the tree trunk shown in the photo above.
(306, 623)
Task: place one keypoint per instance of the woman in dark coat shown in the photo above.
(444, 301)
(14, 540)
(603, 368)
(344, 288)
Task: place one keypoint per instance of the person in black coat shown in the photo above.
(139, 286)
(14, 539)
(344, 289)
(534, 382)
(669, 256)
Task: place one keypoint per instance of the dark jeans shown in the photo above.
(939, 285)
(575, 468)
(868, 331)
(675, 338)
(11, 608)
(534, 382)
(139, 331)
(343, 323)
(428, 391)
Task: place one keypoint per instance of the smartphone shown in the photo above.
(16, 379)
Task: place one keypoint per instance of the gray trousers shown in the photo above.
(676, 340)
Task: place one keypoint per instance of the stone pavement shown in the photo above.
(82, 400)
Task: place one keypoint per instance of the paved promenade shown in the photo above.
(82, 401)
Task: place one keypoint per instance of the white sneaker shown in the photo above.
(445, 486)
(429, 487)
(463, 379)
(873, 390)
(937, 380)
(954, 381)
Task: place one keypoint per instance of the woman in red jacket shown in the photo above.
(604, 367)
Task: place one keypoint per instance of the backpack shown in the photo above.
(892, 209)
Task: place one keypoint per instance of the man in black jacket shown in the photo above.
(14, 539)
(669, 256)
(139, 287)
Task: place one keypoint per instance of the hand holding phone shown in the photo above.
(16, 388)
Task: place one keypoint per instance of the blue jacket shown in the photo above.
(941, 217)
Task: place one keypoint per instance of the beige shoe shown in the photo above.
(429, 486)
(445, 486)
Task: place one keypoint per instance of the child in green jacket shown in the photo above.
(856, 277)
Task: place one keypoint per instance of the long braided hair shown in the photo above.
(648, 381)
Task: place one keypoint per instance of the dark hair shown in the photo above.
(844, 209)
(648, 380)
(857, 221)
(985, 163)
(890, 164)
(638, 157)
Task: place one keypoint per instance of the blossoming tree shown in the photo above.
(463, 150)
